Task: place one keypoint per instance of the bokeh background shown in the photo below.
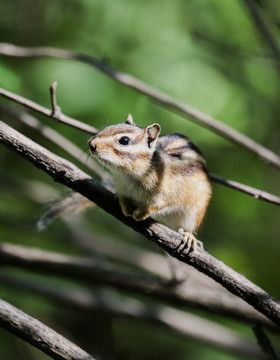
(206, 53)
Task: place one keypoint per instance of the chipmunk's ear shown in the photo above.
(151, 134)
(129, 120)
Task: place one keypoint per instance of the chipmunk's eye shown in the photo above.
(124, 140)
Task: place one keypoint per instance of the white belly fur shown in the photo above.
(177, 218)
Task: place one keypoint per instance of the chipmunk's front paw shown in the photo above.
(189, 241)
(126, 206)
(140, 214)
(126, 211)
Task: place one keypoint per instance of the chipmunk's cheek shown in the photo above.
(103, 156)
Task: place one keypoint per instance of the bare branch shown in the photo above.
(39, 335)
(68, 174)
(180, 322)
(42, 110)
(265, 343)
(93, 272)
(216, 126)
(74, 151)
(263, 30)
(56, 110)
(249, 190)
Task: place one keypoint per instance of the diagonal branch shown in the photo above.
(30, 121)
(66, 173)
(216, 126)
(39, 335)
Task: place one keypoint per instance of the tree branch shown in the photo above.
(39, 335)
(56, 110)
(263, 30)
(216, 126)
(180, 322)
(57, 139)
(265, 343)
(93, 272)
(249, 190)
(66, 173)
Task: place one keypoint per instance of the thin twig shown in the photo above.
(42, 110)
(56, 110)
(39, 335)
(58, 139)
(265, 343)
(263, 30)
(249, 190)
(68, 174)
(180, 322)
(216, 126)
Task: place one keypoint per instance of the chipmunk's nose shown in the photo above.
(92, 146)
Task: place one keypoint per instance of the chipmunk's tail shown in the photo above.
(70, 204)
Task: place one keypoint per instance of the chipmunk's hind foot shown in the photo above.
(189, 241)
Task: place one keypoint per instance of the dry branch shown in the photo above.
(66, 173)
(93, 272)
(265, 343)
(216, 126)
(38, 334)
(182, 323)
(263, 30)
(249, 190)
(56, 110)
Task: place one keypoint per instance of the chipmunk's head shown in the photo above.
(126, 147)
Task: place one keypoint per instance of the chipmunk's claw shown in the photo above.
(189, 242)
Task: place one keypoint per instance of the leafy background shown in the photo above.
(204, 53)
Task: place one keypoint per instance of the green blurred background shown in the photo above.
(206, 53)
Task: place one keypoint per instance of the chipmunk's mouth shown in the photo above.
(101, 156)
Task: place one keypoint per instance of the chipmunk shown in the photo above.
(164, 177)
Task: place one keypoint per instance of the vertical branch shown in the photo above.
(56, 110)
(263, 30)
(265, 343)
